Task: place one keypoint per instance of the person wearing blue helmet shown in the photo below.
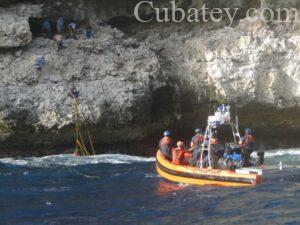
(196, 143)
(165, 145)
(247, 144)
(248, 140)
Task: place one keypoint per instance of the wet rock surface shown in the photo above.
(138, 79)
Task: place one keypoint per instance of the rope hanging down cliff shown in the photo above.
(81, 148)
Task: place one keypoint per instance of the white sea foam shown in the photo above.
(151, 175)
(70, 160)
(281, 152)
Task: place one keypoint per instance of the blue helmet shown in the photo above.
(198, 131)
(167, 133)
(248, 131)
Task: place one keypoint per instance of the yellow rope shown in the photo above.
(90, 138)
(89, 134)
(83, 150)
(79, 138)
(76, 125)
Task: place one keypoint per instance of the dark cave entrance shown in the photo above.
(124, 23)
(36, 26)
(163, 103)
(37, 23)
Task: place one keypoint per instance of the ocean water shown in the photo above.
(121, 189)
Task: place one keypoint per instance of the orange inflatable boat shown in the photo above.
(206, 176)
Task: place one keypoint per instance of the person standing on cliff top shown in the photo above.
(39, 63)
(46, 28)
(88, 32)
(73, 29)
(60, 25)
(59, 40)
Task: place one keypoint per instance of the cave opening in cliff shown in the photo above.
(35, 26)
(123, 23)
(37, 23)
(163, 104)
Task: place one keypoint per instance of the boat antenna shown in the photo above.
(236, 104)
(209, 106)
(236, 114)
(210, 99)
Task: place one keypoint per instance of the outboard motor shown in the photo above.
(257, 159)
(261, 158)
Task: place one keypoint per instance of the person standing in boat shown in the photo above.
(214, 148)
(196, 143)
(247, 144)
(165, 145)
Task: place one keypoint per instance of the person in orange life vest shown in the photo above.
(248, 140)
(247, 145)
(214, 141)
(178, 154)
(196, 143)
(165, 145)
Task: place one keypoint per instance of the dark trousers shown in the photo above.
(196, 155)
(166, 151)
(246, 152)
(261, 158)
(60, 45)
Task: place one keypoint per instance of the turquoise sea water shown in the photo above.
(122, 189)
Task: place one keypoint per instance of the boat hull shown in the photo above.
(197, 176)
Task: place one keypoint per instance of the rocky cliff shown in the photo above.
(137, 79)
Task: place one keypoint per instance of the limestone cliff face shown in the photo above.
(137, 79)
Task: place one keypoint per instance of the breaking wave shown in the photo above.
(282, 152)
(70, 160)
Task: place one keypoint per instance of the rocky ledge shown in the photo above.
(135, 80)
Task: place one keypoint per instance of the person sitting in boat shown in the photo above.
(165, 145)
(247, 145)
(196, 143)
(178, 154)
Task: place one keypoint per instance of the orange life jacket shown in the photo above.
(214, 141)
(178, 156)
(248, 141)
